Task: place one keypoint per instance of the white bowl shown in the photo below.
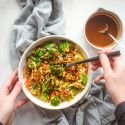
(36, 100)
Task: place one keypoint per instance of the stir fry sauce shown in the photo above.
(96, 24)
(47, 77)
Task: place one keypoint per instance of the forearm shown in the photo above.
(120, 113)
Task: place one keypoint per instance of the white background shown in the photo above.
(75, 12)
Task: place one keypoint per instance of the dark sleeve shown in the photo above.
(1, 123)
(120, 113)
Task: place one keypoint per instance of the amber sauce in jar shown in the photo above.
(97, 23)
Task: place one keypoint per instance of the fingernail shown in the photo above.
(101, 55)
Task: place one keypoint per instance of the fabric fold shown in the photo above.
(38, 18)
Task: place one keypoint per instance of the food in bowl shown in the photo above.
(96, 23)
(46, 76)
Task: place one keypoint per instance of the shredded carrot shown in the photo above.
(35, 74)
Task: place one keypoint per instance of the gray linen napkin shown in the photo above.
(44, 17)
(38, 18)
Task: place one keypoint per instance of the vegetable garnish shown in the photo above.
(49, 79)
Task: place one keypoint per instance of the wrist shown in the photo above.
(119, 100)
(3, 119)
(1, 123)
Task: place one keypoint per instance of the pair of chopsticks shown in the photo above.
(109, 55)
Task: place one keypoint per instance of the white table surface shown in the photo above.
(75, 12)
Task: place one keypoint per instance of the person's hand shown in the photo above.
(114, 75)
(8, 95)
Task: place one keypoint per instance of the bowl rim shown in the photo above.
(31, 97)
(99, 11)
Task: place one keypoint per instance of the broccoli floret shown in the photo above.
(34, 86)
(75, 91)
(83, 78)
(46, 85)
(55, 101)
(44, 97)
(63, 47)
(51, 48)
(33, 62)
(56, 69)
(39, 52)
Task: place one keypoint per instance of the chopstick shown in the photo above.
(110, 55)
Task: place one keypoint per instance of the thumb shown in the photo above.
(105, 63)
(16, 90)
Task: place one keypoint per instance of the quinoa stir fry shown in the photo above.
(47, 77)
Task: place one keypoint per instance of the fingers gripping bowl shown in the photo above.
(45, 79)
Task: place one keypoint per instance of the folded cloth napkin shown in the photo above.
(41, 18)
(38, 18)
